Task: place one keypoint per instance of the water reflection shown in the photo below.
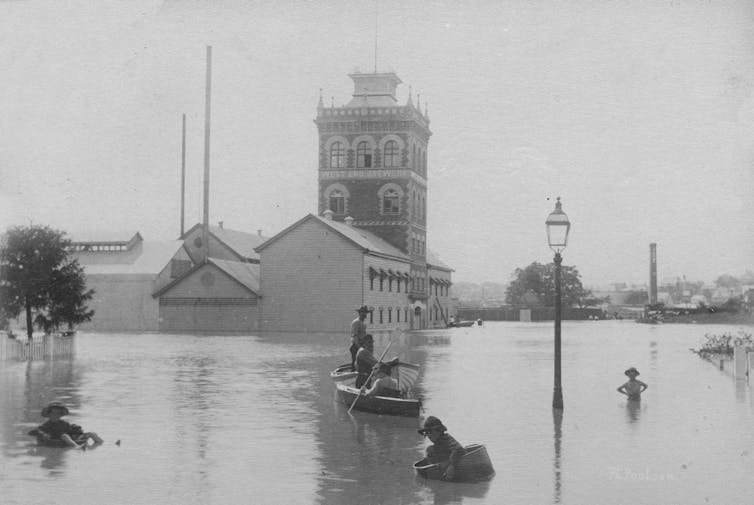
(741, 388)
(445, 493)
(557, 421)
(369, 456)
(653, 354)
(40, 382)
(633, 410)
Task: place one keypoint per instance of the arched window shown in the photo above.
(363, 155)
(337, 202)
(337, 155)
(391, 202)
(390, 314)
(381, 312)
(390, 154)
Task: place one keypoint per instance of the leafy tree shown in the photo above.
(38, 278)
(727, 281)
(539, 279)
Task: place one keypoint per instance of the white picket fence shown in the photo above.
(44, 347)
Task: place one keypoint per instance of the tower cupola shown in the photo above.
(374, 89)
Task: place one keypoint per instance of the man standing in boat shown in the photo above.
(358, 332)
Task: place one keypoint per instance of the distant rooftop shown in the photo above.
(104, 240)
(149, 257)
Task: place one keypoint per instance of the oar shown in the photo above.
(370, 376)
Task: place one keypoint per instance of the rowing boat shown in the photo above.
(405, 373)
(474, 466)
(343, 373)
(387, 405)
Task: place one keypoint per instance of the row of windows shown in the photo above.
(380, 282)
(386, 315)
(99, 247)
(391, 202)
(391, 156)
(337, 201)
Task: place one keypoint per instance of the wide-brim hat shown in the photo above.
(363, 308)
(46, 411)
(432, 423)
(631, 370)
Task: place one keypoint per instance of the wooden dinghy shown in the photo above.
(405, 373)
(343, 373)
(474, 466)
(378, 404)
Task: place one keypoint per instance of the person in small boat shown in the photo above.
(634, 387)
(58, 433)
(358, 332)
(382, 383)
(365, 361)
(445, 450)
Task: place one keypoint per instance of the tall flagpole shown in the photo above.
(208, 93)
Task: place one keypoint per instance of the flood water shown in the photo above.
(247, 419)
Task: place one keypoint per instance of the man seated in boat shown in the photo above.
(365, 361)
(444, 450)
(382, 383)
(58, 433)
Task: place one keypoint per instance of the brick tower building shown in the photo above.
(373, 168)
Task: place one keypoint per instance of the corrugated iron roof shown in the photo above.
(360, 237)
(363, 238)
(149, 258)
(245, 273)
(241, 242)
(434, 260)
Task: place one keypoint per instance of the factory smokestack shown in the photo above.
(208, 94)
(652, 273)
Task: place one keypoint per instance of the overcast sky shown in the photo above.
(639, 115)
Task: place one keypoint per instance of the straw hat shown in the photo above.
(631, 370)
(52, 405)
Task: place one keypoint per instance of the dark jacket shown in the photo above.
(446, 448)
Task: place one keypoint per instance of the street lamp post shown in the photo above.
(558, 227)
